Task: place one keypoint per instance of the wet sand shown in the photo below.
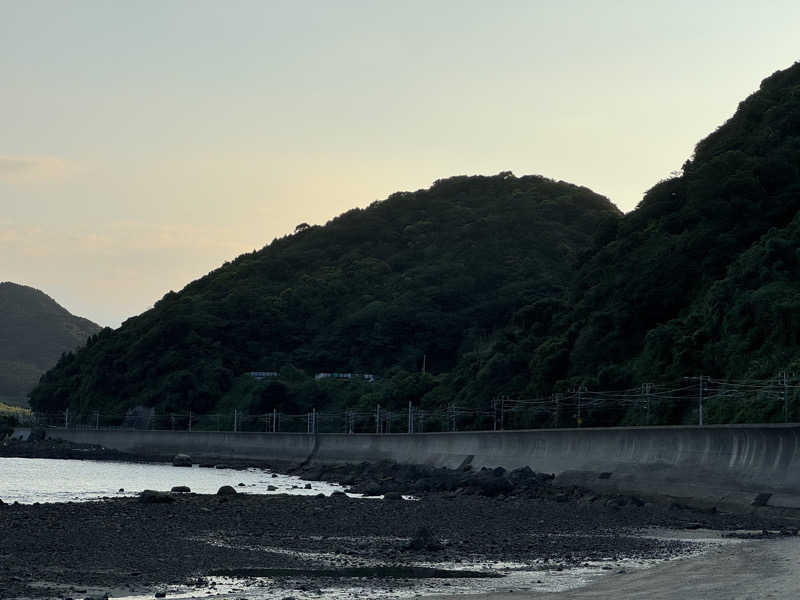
(751, 570)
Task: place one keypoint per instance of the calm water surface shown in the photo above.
(29, 480)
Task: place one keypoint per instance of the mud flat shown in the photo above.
(125, 547)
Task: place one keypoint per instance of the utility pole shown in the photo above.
(378, 419)
(66, 418)
(783, 378)
(235, 420)
(700, 389)
(581, 389)
(557, 399)
(410, 418)
(274, 420)
(700, 403)
(646, 389)
(424, 361)
(190, 421)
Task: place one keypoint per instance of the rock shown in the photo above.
(761, 499)
(241, 484)
(307, 486)
(180, 489)
(271, 488)
(182, 460)
(338, 494)
(371, 488)
(424, 540)
(161, 594)
(393, 496)
(155, 497)
(226, 490)
(274, 475)
(493, 485)
(121, 490)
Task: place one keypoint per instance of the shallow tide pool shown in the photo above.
(29, 480)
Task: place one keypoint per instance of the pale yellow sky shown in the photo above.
(143, 144)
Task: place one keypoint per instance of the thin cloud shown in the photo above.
(32, 167)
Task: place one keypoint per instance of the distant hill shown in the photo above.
(34, 332)
(498, 285)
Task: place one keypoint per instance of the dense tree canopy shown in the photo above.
(505, 285)
(426, 275)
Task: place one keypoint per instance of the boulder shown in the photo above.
(393, 496)
(371, 488)
(424, 540)
(155, 497)
(182, 460)
(226, 490)
(180, 489)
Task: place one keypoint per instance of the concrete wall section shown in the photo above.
(718, 464)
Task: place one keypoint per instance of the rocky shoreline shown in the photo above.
(464, 516)
(55, 550)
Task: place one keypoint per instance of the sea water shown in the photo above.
(29, 480)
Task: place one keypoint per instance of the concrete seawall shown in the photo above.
(725, 466)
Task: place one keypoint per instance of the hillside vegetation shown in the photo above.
(505, 285)
(34, 332)
(419, 277)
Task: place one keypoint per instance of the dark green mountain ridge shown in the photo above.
(34, 332)
(421, 275)
(519, 286)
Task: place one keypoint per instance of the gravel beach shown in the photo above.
(129, 546)
(57, 550)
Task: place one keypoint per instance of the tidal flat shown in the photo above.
(277, 546)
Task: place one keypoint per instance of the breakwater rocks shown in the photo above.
(390, 478)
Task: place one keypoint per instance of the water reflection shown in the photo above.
(29, 480)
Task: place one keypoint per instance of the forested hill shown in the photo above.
(34, 332)
(502, 285)
(423, 276)
(703, 277)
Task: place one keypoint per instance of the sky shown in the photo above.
(143, 144)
